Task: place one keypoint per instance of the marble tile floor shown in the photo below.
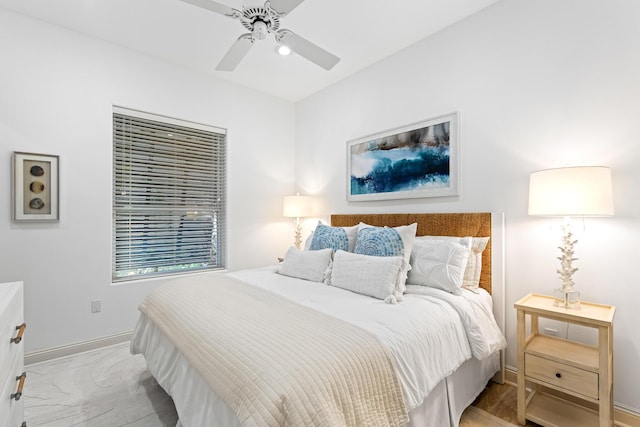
(109, 387)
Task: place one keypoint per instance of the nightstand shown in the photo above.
(555, 364)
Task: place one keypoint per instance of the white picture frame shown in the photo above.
(413, 161)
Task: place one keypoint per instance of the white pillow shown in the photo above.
(383, 242)
(307, 265)
(473, 270)
(368, 275)
(439, 263)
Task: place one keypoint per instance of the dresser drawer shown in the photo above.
(11, 410)
(560, 375)
(11, 317)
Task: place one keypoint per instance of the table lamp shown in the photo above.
(297, 207)
(582, 191)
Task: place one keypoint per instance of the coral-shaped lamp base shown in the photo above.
(298, 233)
(567, 296)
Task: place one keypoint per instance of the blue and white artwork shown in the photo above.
(416, 161)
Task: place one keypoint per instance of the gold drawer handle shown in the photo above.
(18, 337)
(18, 394)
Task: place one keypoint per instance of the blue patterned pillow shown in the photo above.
(379, 242)
(329, 237)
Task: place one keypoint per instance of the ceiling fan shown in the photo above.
(261, 21)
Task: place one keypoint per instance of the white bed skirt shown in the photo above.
(198, 405)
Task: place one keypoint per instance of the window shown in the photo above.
(169, 184)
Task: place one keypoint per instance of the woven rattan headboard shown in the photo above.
(476, 224)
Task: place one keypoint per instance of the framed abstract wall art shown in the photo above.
(35, 187)
(418, 160)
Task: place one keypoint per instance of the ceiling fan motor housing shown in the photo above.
(260, 21)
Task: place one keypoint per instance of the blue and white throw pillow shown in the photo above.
(329, 237)
(336, 238)
(376, 241)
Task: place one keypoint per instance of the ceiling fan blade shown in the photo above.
(285, 6)
(235, 54)
(213, 6)
(310, 51)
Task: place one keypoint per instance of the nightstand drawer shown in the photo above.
(561, 375)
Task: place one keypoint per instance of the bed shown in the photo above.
(426, 354)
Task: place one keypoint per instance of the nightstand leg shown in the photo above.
(605, 336)
(521, 382)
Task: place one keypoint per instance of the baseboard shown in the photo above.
(71, 349)
(623, 417)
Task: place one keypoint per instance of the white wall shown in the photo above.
(538, 84)
(57, 89)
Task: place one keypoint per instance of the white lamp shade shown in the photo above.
(297, 206)
(572, 191)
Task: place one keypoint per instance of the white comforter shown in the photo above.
(430, 334)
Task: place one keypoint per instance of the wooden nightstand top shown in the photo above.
(589, 313)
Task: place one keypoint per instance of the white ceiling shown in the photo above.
(360, 32)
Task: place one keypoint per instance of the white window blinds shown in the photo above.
(169, 183)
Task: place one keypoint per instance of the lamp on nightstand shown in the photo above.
(297, 207)
(569, 192)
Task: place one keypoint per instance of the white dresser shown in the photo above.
(12, 375)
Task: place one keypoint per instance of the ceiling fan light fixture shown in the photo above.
(260, 30)
(283, 50)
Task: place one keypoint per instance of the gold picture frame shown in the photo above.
(36, 192)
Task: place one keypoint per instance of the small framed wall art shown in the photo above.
(35, 187)
(417, 160)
